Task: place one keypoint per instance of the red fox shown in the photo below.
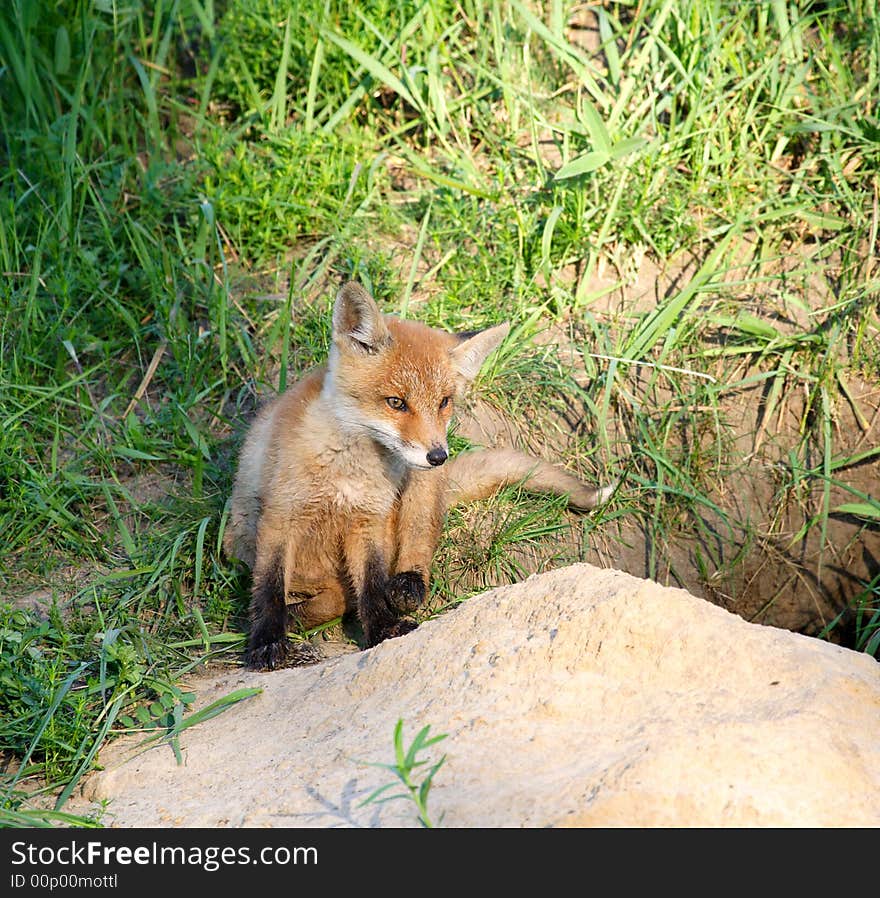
(344, 480)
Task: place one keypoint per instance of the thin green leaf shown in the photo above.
(860, 509)
(583, 164)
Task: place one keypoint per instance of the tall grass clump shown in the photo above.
(115, 352)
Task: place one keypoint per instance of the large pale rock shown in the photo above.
(581, 697)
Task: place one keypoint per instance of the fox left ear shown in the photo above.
(358, 322)
(469, 355)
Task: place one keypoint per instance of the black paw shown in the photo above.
(268, 656)
(399, 628)
(405, 591)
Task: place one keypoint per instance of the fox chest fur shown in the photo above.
(318, 483)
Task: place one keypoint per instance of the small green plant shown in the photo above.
(404, 768)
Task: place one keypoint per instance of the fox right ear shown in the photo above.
(358, 323)
(474, 349)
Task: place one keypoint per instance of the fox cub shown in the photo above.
(344, 480)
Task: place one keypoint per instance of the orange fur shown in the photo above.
(341, 488)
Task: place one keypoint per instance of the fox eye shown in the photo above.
(395, 402)
(444, 402)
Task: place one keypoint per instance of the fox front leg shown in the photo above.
(368, 549)
(417, 525)
(267, 642)
(382, 601)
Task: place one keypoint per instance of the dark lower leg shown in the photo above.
(267, 643)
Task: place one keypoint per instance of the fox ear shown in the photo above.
(469, 355)
(358, 323)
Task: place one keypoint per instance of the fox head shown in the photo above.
(398, 380)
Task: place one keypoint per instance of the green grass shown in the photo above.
(184, 183)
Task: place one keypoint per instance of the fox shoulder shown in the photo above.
(267, 439)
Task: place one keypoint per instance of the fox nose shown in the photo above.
(437, 456)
